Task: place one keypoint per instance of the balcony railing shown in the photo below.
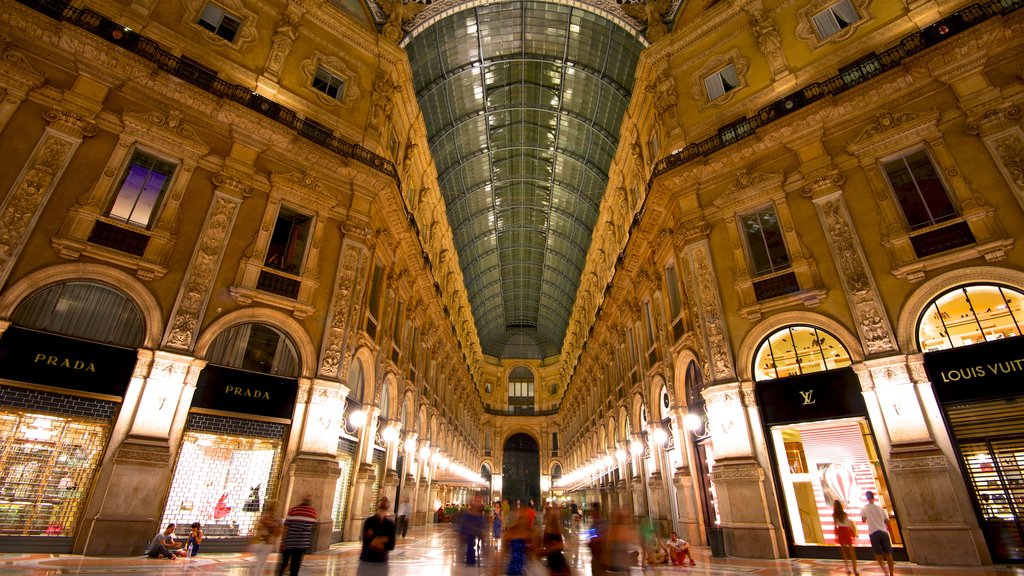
(865, 69)
(133, 42)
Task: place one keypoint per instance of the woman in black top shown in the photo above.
(378, 540)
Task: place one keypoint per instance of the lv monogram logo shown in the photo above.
(806, 394)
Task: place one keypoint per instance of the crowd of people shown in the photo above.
(510, 533)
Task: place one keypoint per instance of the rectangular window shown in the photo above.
(654, 147)
(835, 18)
(765, 245)
(554, 443)
(649, 321)
(220, 22)
(143, 184)
(919, 190)
(328, 83)
(675, 304)
(721, 82)
(288, 241)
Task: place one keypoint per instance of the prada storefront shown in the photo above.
(974, 356)
(820, 442)
(229, 461)
(65, 365)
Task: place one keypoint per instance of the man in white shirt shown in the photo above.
(878, 532)
(403, 516)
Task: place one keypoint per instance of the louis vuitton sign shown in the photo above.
(988, 370)
(817, 396)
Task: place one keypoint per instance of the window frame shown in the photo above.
(222, 14)
(339, 94)
(883, 164)
(830, 10)
(748, 249)
(310, 223)
(161, 197)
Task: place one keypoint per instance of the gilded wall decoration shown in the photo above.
(24, 203)
(206, 260)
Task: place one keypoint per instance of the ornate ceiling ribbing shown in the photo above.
(522, 102)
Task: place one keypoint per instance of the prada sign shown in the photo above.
(62, 362)
(233, 390)
(817, 396)
(987, 370)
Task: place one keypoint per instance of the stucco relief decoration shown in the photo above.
(383, 105)
(168, 130)
(337, 67)
(398, 13)
(21, 206)
(246, 34)
(807, 31)
(699, 93)
(768, 39)
(721, 363)
(281, 42)
(1010, 151)
(201, 273)
(888, 128)
(651, 13)
(168, 370)
(332, 351)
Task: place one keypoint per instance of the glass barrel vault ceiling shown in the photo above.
(522, 103)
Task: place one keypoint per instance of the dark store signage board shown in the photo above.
(817, 396)
(232, 390)
(988, 370)
(62, 362)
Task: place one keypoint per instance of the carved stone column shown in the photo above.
(740, 480)
(709, 320)
(24, 202)
(927, 490)
(314, 471)
(206, 260)
(857, 280)
(138, 465)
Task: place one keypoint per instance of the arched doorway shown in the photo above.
(520, 470)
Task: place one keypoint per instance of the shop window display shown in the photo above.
(797, 350)
(341, 491)
(222, 482)
(971, 315)
(820, 462)
(48, 463)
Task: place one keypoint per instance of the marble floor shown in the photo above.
(430, 551)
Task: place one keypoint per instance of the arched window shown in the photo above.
(556, 472)
(970, 314)
(85, 310)
(797, 349)
(255, 347)
(356, 379)
(385, 402)
(520, 390)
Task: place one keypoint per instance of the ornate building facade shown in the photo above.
(227, 280)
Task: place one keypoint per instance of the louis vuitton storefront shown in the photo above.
(229, 462)
(819, 439)
(973, 348)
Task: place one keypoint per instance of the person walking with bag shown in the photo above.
(846, 533)
(378, 540)
(552, 544)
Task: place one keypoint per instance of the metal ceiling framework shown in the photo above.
(522, 102)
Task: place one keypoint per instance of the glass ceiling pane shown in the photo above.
(523, 103)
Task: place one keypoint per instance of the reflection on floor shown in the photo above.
(431, 551)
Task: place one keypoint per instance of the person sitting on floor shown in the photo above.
(164, 545)
(678, 550)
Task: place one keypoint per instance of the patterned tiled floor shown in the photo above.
(431, 552)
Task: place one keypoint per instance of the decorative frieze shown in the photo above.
(343, 307)
(859, 285)
(709, 309)
(206, 260)
(31, 190)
